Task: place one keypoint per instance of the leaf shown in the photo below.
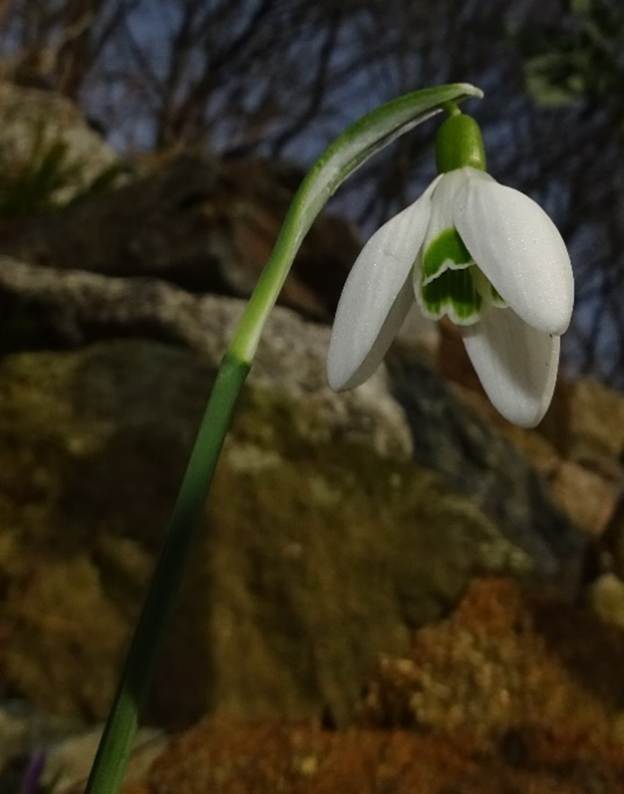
(368, 136)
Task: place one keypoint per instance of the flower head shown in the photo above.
(482, 254)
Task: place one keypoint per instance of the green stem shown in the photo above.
(114, 750)
(340, 159)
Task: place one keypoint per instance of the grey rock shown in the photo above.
(480, 462)
(201, 223)
(48, 308)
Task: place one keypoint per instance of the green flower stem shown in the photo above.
(340, 159)
(115, 746)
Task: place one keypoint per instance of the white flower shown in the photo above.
(489, 258)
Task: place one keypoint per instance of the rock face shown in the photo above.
(322, 544)
(577, 451)
(206, 225)
(506, 658)
(71, 308)
(481, 462)
(515, 691)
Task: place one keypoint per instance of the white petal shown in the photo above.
(442, 220)
(444, 200)
(516, 364)
(377, 296)
(519, 249)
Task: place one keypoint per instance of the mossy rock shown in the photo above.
(314, 557)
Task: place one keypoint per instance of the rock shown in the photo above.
(515, 691)
(585, 496)
(606, 596)
(596, 425)
(587, 486)
(322, 544)
(228, 757)
(72, 308)
(204, 224)
(476, 459)
(34, 119)
(506, 658)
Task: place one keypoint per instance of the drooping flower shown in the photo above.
(486, 256)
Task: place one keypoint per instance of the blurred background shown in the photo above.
(279, 79)
(393, 589)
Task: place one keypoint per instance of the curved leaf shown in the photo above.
(345, 155)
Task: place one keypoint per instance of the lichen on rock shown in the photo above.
(317, 551)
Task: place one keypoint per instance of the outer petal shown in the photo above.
(519, 249)
(377, 296)
(516, 364)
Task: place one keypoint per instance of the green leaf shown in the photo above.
(368, 136)
(552, 81)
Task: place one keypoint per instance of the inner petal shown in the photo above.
(446, 251)
(454, 293)
(461, 293)
(447, 281)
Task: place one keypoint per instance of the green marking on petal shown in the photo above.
(447, 250)
(454, 293)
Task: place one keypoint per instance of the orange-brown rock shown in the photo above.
(232, 758)
(515, 692)
(507, 659)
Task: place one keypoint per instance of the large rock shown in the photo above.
(71, 308)
(514, 692)
(204, 224)
(46, 308)
(322, 544)
(477, 459)
(577, 449)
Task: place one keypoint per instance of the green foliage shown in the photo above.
(582, 59)
(41, 181)
(552, 81)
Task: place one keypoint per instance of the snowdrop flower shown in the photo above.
(482, 254)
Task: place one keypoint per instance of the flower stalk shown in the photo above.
(350, 150)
